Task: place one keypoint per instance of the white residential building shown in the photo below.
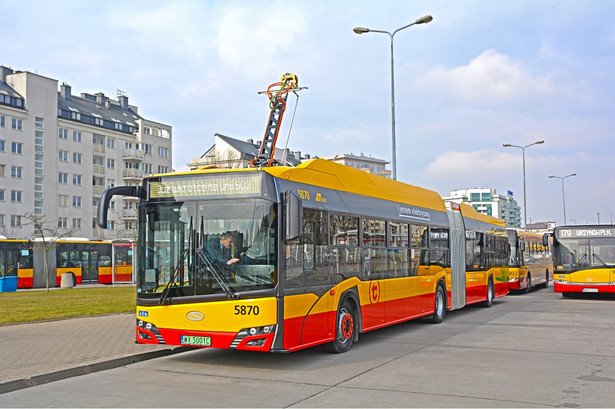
(487, 201)
(58, 152)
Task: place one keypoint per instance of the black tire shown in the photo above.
(528, 288)
(546, 283)
(439, 305)
(490, 294)
(345, 328)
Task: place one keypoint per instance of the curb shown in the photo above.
(36, 380)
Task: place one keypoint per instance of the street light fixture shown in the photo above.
(563, 196)
(362, 30)
(508, 145)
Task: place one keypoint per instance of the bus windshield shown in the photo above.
(576, 254)
(199, 247)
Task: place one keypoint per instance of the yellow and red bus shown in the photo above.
(280, 259)
(88, 261)
(16, 259)
(530, 263)
(584, 259)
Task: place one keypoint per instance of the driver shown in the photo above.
(220, 252)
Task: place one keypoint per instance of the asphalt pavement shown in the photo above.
(37, 353)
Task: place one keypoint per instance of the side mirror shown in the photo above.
(293, 207)
(103, 205)
(545, 239)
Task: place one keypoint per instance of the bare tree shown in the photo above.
(49, 232)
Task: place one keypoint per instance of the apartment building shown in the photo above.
(363, 162)
(59, 151)
(487, 201)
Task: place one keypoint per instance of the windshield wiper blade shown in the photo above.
(579, 263)
(222, 281)
(600, 260)
(179, 267)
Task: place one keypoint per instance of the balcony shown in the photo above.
(98, 190)
(98, 170)
(99, 148)
(132, 175)
(133, 155)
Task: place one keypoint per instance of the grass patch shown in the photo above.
(28, 306)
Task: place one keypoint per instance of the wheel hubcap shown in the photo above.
(346, 327)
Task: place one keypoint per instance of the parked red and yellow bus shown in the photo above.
(584, 259)
(530, 263)
(280, 259)
(16, 260)
(88, 261)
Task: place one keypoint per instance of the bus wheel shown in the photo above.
(546, 283)
(439, 305)
(529, 283)
(490, 294)
(345, 328)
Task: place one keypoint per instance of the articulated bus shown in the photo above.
(584, 259)
(88, 261)
(279, 259)
(530, 263)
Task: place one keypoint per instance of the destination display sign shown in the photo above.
(206, 186)
(412, 212)
(585, 232)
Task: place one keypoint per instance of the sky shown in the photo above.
(482, 74)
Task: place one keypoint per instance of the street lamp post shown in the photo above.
(508, 145)
(362, 30)
(563, 195)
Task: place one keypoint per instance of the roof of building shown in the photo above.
(7, 90)
(88, 105)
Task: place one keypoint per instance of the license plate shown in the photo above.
(194, 340)
(590, 290)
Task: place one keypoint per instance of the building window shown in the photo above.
(63, 156)
(1, 220)
(163, 152)
(110, 143)
(2, 146)
(63, 133)
(62, 222)
(76, 201)
(163, 169)
(76, 179)
(38, 122)
(2, 121)
(15, 221)
(1, 195)
(16, 172)
(76, 136)
(146, 148)
(17, 148)
(17, 124)
(16, 196)
(76, 157)
(98, 139)
(63, 178)
(110, 183)
(2, 170)
(76, 223)
(62, 200)
(111, 163)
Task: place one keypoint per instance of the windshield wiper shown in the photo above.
(222, 281)
(600, 260)
(179, 267)
(579, 263)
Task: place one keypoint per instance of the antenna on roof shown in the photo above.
(121, 93)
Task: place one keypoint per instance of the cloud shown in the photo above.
(251, 39)
(492, 78)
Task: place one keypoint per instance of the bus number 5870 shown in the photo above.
(246, 310)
